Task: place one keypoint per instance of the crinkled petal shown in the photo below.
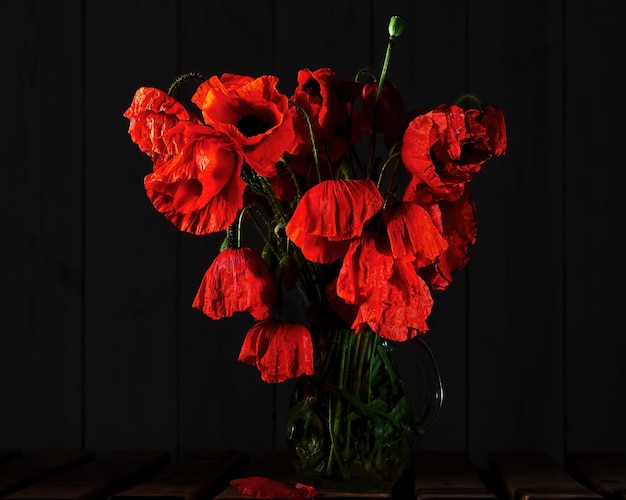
(238, 280)
(367, 264)
(397, 308)
(280, 350)
(334, 211)
(263, 487)
(413, 235)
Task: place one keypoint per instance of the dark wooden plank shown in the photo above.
(131, 280)
(535, 476)
(99, 479)
(440, 475)
(516, 279)
(201, 475)
(26, 471)
(41, 254)
(595, 225)
(602, 472)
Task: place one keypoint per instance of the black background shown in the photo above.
(99, 345)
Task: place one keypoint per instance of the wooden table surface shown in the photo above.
(150, 474)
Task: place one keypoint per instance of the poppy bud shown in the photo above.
(396, 26)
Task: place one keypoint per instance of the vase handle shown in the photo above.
(422, 381)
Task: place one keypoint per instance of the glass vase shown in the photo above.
(354, 416)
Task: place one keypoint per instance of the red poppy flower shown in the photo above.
(398, 308)
(391, 116)
(412, 234)
(199, 189)
(431, 151)
(152, 114)
(459, 227)
(281, 350)
(238, 280)
(330, 215)
(327, 100)
(443, 148)
(253, 113)
(392, 299)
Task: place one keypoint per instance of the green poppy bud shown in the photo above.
(396, 26)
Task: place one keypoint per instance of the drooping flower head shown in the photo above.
(392, 299)
(330, 215)
(252, 113)
(238, 280)
(281, 350)
(199, 189)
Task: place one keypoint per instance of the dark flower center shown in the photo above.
(312, 87)
(250, 125)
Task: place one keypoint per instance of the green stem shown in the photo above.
(312, 136)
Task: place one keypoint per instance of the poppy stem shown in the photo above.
(182, 79)
(239, 222)
(470, 97)
(396, 27)
(312, 136)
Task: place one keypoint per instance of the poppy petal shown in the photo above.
(238, 280)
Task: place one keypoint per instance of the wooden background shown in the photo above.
(99, 345)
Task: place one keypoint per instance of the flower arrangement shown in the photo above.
(363, 206)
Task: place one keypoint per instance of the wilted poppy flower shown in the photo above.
(238, 280)
(392, 299)
(253, 113)
(459, 228)
(199, 189)
(398, 308)
(264, 487)
(152, 114)
(443, 148)
(330, 215)
(279, 349)
(412, 234)
(328, 102)
(431, 152)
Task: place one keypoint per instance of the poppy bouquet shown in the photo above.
(362, 206)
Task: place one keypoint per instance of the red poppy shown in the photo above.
(253, 113)
(443, 148)
(330, 215)
(391, 116)
(431, 151)
(412, 234)
(238, 280)
(328, 102)
(281, 350)
(199, 189)
(152, 114)
(398, 308)
(392, 299)
(459, 227)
